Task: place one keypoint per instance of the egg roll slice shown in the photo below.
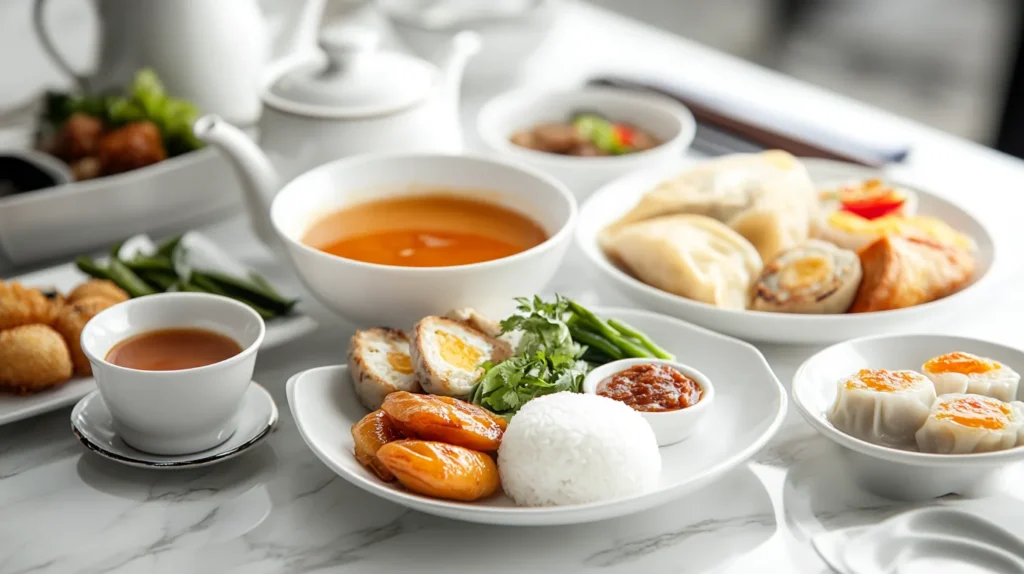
(901, 272)
(813, 278)
(689, 255)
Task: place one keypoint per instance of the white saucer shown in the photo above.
(92, 424)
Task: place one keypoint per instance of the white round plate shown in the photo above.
(92, 424)
(613, 200)
(892, 472)
(748, 410)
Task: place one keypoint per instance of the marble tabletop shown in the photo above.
(278, 509)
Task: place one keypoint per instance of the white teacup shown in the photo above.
(174, 412)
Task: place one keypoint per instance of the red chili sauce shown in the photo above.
(652, 388)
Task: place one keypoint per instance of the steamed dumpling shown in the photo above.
(689, 255)
(882, 407)
(815, 277)
(964, 424)
(966, 373)
(768, 198)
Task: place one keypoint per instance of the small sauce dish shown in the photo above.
(670, 426)
(174, 412)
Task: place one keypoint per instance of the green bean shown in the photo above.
(158, 279)
(188, 287)
(166, 249)
(127, 279)
(262, 283)
(210, 286)
(115, 250)
(595, 357)
(91, 268)
(245, 289)
(592, 322)
(144, 263)
(595, 341)
(632, 332)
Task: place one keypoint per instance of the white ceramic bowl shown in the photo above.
(891, 472)
(512, 111)
(614, 199)
(374, 294)
(672, 426)
(174, 412)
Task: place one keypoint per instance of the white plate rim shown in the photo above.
(572, 514)
(195, 463)
(913, 458)
(587, 244)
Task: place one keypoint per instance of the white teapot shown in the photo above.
(363, 100)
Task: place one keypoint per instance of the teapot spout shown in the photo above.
(260, 181)
(452, 63)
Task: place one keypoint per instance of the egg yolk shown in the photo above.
(457, 353)
(976, 412)
(963, 363)
(805, 271)
(882, 380)
(400, 362)
(872, 189)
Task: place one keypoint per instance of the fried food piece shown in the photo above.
(101, 288)
(33, 358)
(441, 470)
(70, 322)
(20, 305)
(445, 419)
(370, 433)
(135, 145)
(79, 137)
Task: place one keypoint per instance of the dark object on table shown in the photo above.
(585, 134)
(720, 132)
(24, 170)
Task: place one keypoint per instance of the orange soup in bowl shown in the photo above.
(434, 230)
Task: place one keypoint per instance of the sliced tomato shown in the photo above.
(624, 134)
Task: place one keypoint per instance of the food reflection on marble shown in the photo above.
(963, 404)
(445, 398)
(751, 232)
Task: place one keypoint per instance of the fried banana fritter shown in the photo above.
(70, 322)
(20, 305)
(33, 358)
(97, 288)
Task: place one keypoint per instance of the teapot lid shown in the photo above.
(357, 81)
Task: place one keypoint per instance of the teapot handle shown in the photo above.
(50, 47)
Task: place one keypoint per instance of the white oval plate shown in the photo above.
(748, 410)
(613, 200)
(893, 472)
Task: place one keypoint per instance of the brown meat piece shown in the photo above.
(133, 146)
(72, 320)
(79, 137)
(33, 358)
(557, 138)
(20, 305)
(643, 141)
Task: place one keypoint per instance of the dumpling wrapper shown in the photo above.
(902, 272)
(960, 372)
(813, 277)
(768, 198)
(882, 407)
(688, 255)
(965, 424)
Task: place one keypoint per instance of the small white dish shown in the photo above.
(666, 119)
(64, 278)
(672, 426)
(750, 411)
(182, 411)
(924, 540)
(613, 200)
(94, 426)
(891, 472)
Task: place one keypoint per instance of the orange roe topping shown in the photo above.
(963, 363)
(976, 411)
(882, 380)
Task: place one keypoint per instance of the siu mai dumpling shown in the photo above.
(964, 424)
(768, 198)
(815, 277)
(689, 255)
(902, 272)
(966, 373)
(882, 407)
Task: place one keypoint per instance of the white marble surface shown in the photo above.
(279, 510)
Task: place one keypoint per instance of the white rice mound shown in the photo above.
(570, 448)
